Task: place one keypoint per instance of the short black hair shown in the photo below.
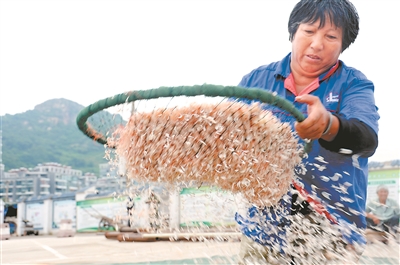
(341, 13)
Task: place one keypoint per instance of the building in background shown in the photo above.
(107, 170)
(109, 180)
(55, 179)
(22, 183)
(44, 179)
(87, 180)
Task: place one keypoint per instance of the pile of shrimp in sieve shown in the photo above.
(237, 147)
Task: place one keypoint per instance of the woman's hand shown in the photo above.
(318, 120)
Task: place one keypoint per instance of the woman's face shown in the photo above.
(315, 50)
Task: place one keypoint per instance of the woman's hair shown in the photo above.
(341, 13)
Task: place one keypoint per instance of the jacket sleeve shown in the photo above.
(353, 135)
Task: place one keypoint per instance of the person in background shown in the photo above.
(383, 213)
(130, 205)
(322, 217)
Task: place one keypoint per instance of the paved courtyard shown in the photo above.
(97, 249)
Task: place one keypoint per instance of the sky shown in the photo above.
(87, 50)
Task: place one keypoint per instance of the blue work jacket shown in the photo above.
(338, 181)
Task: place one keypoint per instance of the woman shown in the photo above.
(325, 214)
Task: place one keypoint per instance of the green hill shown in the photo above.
(49, 133)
